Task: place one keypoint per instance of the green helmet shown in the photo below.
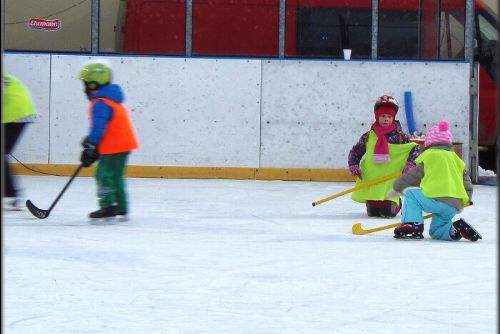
(98, 74)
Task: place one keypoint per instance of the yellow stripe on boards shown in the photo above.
(181, 172)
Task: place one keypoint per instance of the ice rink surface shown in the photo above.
(239, 257)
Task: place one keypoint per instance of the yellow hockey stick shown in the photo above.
(358, 229)
(366, 185)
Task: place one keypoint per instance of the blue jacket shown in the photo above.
(102, 113)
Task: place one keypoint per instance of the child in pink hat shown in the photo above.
(439, 134)
(383, 150)
(439, 184)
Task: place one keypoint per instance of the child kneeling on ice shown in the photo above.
(439, 185)
(382, 151)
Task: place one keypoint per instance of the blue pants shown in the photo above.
(415, 202)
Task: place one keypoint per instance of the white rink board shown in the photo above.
(313, 112)
(238, 112)
(187, 112)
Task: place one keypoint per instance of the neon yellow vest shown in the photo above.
(371, 170)
(16, 100)
(443, 175)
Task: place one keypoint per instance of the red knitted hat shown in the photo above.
(385, 109)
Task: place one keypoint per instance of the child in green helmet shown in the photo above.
(110, 140)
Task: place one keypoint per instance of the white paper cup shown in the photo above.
(347, 54)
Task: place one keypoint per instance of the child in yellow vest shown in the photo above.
(383, 150)
(440, 185)
(18, 110)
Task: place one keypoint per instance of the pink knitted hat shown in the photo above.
(439, 134)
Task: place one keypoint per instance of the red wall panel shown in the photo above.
(155, 27)
(235, 28)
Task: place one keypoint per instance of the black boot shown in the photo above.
(409, 231)
(466, 230)
(372, 211)
(110, 211)
(390, 210)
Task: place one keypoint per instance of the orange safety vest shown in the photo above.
(120, 134)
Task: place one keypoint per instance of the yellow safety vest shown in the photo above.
(371, 170)
(443, 175)
(16, 100)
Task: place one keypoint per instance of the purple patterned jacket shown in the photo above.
(394, 137)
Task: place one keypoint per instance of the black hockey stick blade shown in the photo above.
(42, 214)
(39, 213)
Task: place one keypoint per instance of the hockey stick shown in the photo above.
(42, 214)
(358, 229)
(362, 186)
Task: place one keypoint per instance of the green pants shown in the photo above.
(110, 180)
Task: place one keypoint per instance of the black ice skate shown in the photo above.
(121, 214)
(409, 231)
(108, 212)
(12, 204)
(466, 231)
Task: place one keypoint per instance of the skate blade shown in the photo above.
(473, 238)
(103, 221)
(408, 237)
(122, 219)
(108, 220)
